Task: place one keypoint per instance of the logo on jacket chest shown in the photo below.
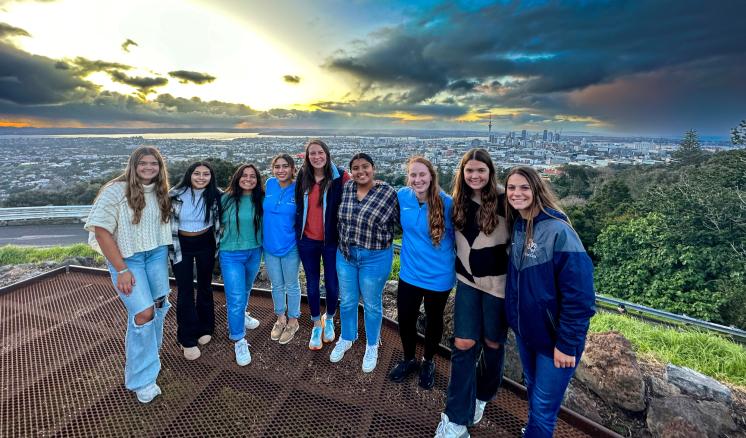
(532, 249)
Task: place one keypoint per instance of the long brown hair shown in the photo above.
(543, 200)
(234, 193)
(306, 178)
(487, 214)
(435, 206)
(135, 193)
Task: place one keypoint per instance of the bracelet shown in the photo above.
(123, 271)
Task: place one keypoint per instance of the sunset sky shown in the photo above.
(627, 67)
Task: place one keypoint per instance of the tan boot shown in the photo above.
(289, 332)
(277, 330)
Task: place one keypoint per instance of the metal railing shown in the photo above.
(45, 212)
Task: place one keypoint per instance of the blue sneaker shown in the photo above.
(315, 342)
(328, 329)
(243, 357)
(339, 350)
(370, 359)
(147, 394)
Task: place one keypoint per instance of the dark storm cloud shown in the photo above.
(291, 79)
(552, 47)
(6, 30)
(83, 66)
(32, 80)
(381, 106)
(185, 76)
(126, 45)
(197, 105)
(144, 85)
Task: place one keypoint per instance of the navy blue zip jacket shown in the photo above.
(549, 295)
(331, 198)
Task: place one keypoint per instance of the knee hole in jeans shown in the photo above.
(492, 344)
(144, 316)
(464, 344)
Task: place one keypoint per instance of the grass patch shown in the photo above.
(16, 255)
(705, 352)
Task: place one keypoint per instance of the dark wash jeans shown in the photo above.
(546, 387)
(476, 373)
(311, 253)
(195, 318)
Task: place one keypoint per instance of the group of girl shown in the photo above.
(512, 255)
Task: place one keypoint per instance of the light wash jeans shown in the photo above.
(364, 274)
(283, 273)
(142, 343)
(546, 387)
(239, 269)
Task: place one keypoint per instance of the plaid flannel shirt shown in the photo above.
(368, 223)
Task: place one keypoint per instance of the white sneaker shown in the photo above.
(243, 356)
(446, 429)
(191, 353)
(339, 350)
(250, 322)
(147, 394)
(479, 410)
(204, 339)
(370, 360)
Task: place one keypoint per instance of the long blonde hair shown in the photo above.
(134, 191)
(487, 217)
(435, 206)
(543, 200)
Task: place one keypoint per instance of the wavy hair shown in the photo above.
(234, 192)
(306, 178)
(134, 191)
(543, 200)
(435, 206)
(211, 193)
(487, 217)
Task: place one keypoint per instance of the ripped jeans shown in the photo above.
(142, 343)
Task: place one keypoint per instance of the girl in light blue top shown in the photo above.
(280, 250)
(427, 266)
(241, 252)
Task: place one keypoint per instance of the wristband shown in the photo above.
(123, 271)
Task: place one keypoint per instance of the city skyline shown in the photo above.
(634, 67)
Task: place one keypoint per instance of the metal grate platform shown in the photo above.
(62, 361)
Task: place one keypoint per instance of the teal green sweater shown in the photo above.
(245, 236)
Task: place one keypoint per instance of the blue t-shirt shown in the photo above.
(422, 264)
(279, 218)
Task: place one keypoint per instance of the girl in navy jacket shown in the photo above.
(549, 295)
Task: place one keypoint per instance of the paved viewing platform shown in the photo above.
(62, 362)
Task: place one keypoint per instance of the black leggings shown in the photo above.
(408, 300)
(195, 319)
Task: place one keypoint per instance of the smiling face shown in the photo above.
(248, 179)
(282, 170)
(476, 175)
(201, 177)
(316, 156)
(419, 179)
(519, 194)
(363, 172)
(147, 169)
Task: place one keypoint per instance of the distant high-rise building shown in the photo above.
(523, 134)
(545, 135)
(556, 136)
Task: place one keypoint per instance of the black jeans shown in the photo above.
(476, 373)
(195, 318)
(408, 300)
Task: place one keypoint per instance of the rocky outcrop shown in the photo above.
(609, 368)
(698, 385)
(675, 416)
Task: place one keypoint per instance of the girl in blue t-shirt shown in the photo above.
(280, 250)
(427, 234)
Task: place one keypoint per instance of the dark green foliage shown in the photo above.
(689, 151)
(575, 181)
(223, 170)
(738, 134)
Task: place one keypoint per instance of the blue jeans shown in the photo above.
(239, 269)
(546, 387)
(364, 274)
(283, 273)
(142, 343)
(476, 373)
(311, 252)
